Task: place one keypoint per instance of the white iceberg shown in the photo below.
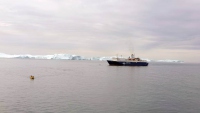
(75, 57)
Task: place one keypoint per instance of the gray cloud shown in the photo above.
(99, 27)
(173, 23)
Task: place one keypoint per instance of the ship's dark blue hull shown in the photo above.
(123, 63)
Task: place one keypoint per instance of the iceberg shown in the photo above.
(170, 61)
(3, 55)
(75, 57)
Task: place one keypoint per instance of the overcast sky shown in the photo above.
(154, 29)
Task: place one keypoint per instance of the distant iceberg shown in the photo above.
(74, 57)
(55, 56)
(173, 61)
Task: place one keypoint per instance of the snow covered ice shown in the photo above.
(73, 57)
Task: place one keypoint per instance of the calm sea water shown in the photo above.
(63, 86)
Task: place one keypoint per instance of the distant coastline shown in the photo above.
(73, 57)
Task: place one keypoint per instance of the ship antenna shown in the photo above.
(132, 55)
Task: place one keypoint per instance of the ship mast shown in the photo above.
(132, 56)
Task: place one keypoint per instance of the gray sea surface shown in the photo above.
(65, 86)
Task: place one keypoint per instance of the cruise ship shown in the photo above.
(131, 61)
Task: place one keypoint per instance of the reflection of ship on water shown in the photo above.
(131, 61)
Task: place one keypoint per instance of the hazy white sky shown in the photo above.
(154, 29)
